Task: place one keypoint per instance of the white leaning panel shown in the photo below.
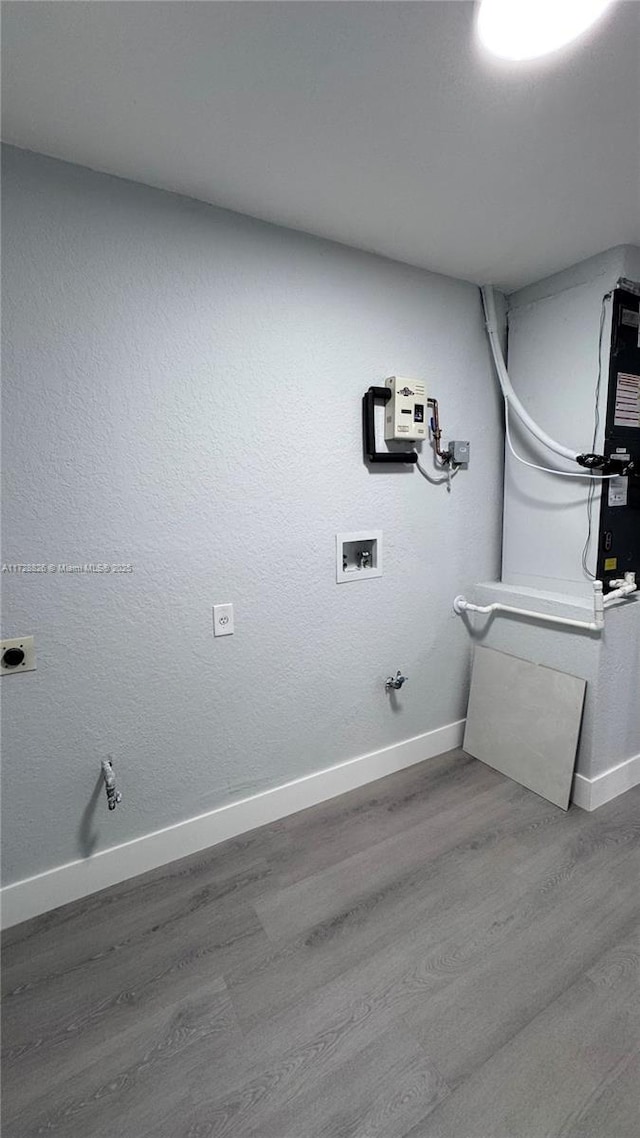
(524, 720)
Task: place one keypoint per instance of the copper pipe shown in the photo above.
(436, 431)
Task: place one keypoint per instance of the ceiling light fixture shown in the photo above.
(526, 29)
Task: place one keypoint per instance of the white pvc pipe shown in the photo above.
(461, 605)
(624, 591)
(510, 397)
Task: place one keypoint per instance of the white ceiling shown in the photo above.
(378, 124)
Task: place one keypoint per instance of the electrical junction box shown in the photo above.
(459, 451)
(406, 412)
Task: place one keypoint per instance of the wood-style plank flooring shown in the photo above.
(441, 954)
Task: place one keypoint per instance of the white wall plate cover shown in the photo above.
(223, 622)
(349, 545)
(22, 643)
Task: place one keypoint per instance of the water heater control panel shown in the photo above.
(406, 412)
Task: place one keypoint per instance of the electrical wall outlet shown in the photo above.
(223, 620)
(17, 655)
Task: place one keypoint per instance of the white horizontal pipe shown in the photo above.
(510, 397)
(461, 604)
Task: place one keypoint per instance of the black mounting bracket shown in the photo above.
(369, 429)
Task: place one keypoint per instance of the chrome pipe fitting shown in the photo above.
(114, 796)
(394, 683)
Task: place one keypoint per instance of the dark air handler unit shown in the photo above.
(619, 540)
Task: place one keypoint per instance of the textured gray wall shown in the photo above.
(183, 392)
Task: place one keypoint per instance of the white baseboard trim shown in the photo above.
(590, 793)
(45, 891)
